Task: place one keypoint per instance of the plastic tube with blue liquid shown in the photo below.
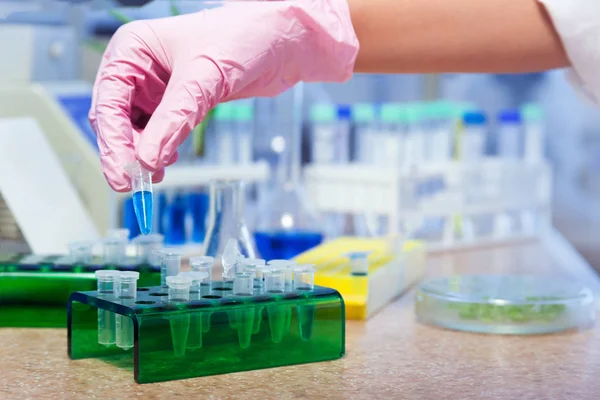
(141, 184)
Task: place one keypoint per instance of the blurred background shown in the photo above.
(51, 51)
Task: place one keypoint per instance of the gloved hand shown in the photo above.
(159, 78)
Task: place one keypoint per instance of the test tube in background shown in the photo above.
(287, 267)
(203, 264)
(224, 125)
(170, 265)
(255, 267)
(244, 118)
(127, 293)
(472, 151)
(146, 247)
(80, 252)
(141, 184)
(275, 279)
(106, 319)
(114, 251)
(119, 233)
(359, 263)
(304, 277)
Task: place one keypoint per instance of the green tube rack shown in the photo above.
(34, 290)
(214, 333)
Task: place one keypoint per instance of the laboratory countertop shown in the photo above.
(390, 356)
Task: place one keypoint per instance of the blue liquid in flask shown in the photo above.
(142, 204)
(285, 244)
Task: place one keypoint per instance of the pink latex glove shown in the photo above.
(159, 78)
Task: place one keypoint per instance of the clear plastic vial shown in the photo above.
(80, 252)
(179, 288)
(127, 293)
(170, 265)
(114, 251)
(359, 263)
(275, 280)
(145, 247)
(243, 284)
(288, 267)
(203, 264)
(304, 277)
(106, 319)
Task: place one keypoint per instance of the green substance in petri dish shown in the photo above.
(527, 313)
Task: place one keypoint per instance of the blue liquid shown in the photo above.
(130, 219)
(175, 224)
(142, 203)
(285, 244)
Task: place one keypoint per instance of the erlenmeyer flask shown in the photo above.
(227, 237)
(287, 225)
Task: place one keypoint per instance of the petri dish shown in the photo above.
(505, 304)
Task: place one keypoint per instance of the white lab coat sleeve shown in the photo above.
(578, 24)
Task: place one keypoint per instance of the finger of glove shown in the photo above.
(112, 103)
(184, 104)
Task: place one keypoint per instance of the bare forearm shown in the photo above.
(434, 36)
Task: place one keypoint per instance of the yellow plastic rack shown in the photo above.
(393, 269)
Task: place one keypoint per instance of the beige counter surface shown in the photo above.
(389, 357)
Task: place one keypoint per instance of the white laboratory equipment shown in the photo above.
(509, 134)
(364, 116)
(323, 137)
(473, 188)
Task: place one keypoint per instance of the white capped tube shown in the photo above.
(304, 277)
(170, 265)
(179, 288)
(243, 284)
(81, 251)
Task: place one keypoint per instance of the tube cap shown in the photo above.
(414, 113)
(509, 117)
(344, 112)
(474, 118)
(224, 112)
(532, 113)
(323, 113)
(392, 113)
(243, 112)
(364, 112)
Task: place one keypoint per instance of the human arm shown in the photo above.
(435, 36)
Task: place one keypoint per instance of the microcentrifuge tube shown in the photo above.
(277, 314)
(80, 252)
(146, 246)
(304, 280)
(106, 319)
(203, 264)
(288, 266)
(127, 293)
(255, 267)
(304, 277)
(198, 316)
(179, 292)
(359, 262)
(114, 251)
(119, 233)
(243, 285)
(170, 265)
(141, 184)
